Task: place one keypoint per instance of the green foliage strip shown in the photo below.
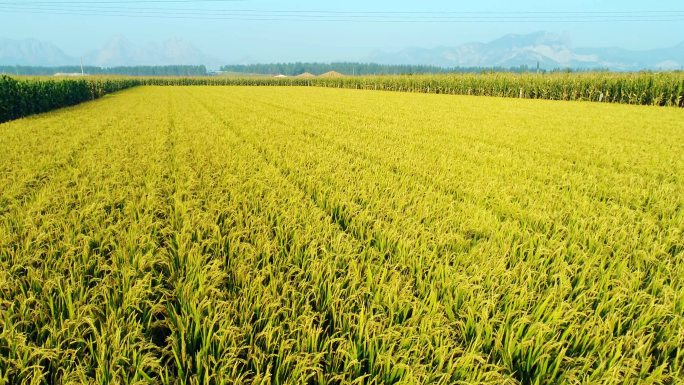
(23, 98)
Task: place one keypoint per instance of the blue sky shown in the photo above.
(291, 40)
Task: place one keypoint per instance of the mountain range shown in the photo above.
(32, 52)
(117, 51)
(549, 49)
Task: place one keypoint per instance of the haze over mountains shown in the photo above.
(117, 51)
(32, 52)
(549, 49)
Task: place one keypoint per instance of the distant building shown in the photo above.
(279, 76)
(69, 74)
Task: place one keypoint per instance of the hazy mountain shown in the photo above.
(664, 58)
(32, 52)
(118, 51)
(179, 51)
(550, 50)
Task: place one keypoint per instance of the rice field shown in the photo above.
(310, 235)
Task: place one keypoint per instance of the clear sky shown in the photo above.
(219, 27)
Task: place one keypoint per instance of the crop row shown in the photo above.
(23, 98)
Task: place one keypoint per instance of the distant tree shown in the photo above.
(348, 68)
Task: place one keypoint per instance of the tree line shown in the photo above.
(346, 68)
(171, 70)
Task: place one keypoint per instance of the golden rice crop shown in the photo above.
(41, 94)
(289, 235)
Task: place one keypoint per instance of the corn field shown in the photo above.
(309, 235)
(656, 89)
(23, 98)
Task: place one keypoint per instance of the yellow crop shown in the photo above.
(293, 235)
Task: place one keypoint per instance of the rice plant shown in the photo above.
(289, 235)
(20, 98)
